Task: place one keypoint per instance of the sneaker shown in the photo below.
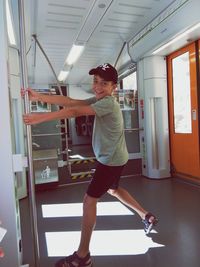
(147, 224)
(75, 261)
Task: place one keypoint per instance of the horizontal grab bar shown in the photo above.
(134, 129)
(50, 134)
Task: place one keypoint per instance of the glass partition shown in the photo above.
(128, 99)
(47, 144)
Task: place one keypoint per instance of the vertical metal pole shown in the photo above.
(31, 183)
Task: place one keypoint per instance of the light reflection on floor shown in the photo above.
(104, 242)
(75, 209)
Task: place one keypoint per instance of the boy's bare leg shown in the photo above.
(123, 196)
(88, 224)
(89, 215)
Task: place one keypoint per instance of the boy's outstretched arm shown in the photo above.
(53, 99)
(36, 118)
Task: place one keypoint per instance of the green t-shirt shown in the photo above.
(108, 139)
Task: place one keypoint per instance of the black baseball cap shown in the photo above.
(105, 71)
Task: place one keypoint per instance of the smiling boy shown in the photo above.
(109, 147)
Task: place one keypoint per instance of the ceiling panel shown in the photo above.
(58, 24)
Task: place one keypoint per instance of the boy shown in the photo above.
(109, 147)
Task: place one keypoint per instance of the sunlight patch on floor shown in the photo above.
(106, 242)
(75, 209)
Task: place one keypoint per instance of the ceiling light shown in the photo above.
(176, 39)
(63, 75)
(10, 29)
(74, 54)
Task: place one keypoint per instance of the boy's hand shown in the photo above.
(34, 118)
(33, 95)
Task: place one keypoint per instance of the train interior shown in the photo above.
(50, 46)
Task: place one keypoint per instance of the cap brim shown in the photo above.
(93, 71)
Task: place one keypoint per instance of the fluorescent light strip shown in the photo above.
(106, 242)
(63, 75)
(75, 209)
(176, 39)
(10, 29)
(74, 54)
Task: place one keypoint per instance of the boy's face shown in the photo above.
(102, 88)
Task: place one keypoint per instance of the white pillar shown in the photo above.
(8, 201)
(153, 114)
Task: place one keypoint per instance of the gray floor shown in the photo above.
(175, 203)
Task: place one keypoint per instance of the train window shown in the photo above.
(10, 24)
(130, 82)
(181, 94)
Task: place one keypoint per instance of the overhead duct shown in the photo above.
(171, 22)
(126, 70)
(124, 63)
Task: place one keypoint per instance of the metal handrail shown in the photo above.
(134, 129)
(31, 184)
(48, 134)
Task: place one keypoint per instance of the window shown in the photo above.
(181, 94)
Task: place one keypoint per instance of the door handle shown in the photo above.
(194, 114)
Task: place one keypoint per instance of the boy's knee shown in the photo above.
(112, 192)
(89, 201)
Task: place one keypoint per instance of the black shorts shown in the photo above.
(105, 177)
